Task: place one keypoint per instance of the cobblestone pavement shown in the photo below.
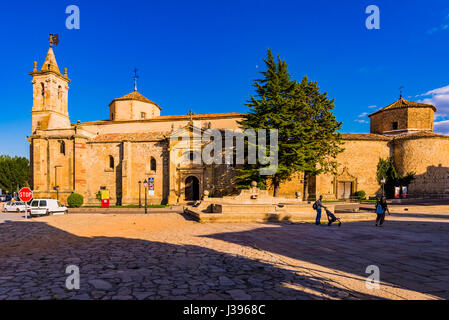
(167, 256)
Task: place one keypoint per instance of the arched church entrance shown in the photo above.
(192, 189)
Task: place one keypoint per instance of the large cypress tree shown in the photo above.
(308, 138)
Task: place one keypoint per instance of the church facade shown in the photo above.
(134, 144)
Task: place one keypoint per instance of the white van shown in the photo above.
(41, 207)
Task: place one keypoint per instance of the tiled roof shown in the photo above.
(420, 134)
(172, 118)
(136, 96)
(364, 136)
(201, 116)
(402, 103)
(134, 137)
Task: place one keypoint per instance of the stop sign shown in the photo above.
(25, 194)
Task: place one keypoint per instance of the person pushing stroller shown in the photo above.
(332, 218)
(318, 205)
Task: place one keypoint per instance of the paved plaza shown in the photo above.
(169, 256)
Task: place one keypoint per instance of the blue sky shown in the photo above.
(204, 54)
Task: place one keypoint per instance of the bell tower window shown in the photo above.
(395, 126)
(111, 162)
(153, 164)
(62, 147)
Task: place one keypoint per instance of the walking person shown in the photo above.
(380, 212)
(318, 205)
(385, 205)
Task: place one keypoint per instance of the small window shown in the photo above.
(143, 115)
(153, 164)
(111, 162)
(62, 147)
(42, 89)
(59, 92)
(395, 126)
(42, 203)
(191, 156)
(35, 203)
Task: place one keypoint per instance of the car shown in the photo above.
(5, 197)
(41, 207)
(17, 206)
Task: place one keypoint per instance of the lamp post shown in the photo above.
(383, 181)
(145, 186)
(140, 201)
(57, 192)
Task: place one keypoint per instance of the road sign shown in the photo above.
(25, 194)
(151, 186)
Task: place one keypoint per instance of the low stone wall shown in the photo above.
(123, 210)
(306, 215)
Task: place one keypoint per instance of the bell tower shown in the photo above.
(50, 94)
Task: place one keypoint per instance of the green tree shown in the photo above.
(14, 173)
(307, 129)
(387, 170)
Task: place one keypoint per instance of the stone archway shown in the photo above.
(192, 189)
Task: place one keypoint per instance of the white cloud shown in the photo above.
(364, 114)
(441, 27)
(372, 107)
(441, 127)
(439, 98)
(361, 121)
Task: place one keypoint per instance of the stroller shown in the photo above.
(332, 218)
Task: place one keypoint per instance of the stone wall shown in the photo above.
(383, 121)
(420, 118)
(428, 157)
(357, 164)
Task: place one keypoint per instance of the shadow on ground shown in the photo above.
(410, 254)
(34, 257)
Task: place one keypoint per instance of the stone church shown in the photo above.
(133, 145)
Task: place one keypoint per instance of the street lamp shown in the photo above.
(140, 202)
(383, 181)
(57, 192)
(145, 186)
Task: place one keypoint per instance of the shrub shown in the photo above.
(75, 200)
(360, 194)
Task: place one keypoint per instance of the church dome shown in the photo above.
(135, 96)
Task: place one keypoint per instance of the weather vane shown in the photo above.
(400, 88)
(135, 79)
(54, 39)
